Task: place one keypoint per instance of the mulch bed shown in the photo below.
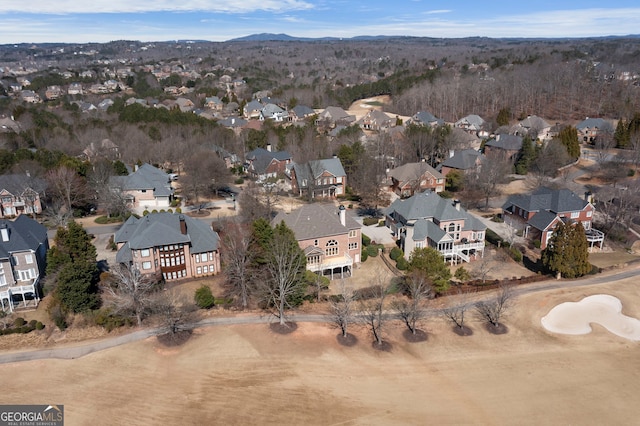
(418, 336)
(286, 328)
(383, 347)
(201, 213)
(348, 340)
(496, 329)
(174, 339)
(462, 331)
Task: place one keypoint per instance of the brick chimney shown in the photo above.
(183, 225)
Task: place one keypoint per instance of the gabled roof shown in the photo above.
(425, 117)
(146, 177)
(302, 110)
(414, 171)
(252, 106)
(233, 122)
(376, 116)
(261, 158)
(24, 234)
(547, 199)
(463, 160)
(425, 228)
(336, 113)
(594, 123)
(543, 220)
(426, 205)
(473, 121)
(271, 109)
(317, 168)
(160, 229)
(507, 142)
(534, 122)
(16, 184)
(315, 221)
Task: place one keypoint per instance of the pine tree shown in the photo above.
(503, 117)
(567, 252)
(430, 262)
(621, 135)
(525, 156)
(569, 138)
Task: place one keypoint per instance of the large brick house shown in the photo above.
(428, 220)
(330, 238)
(411, 178)
(263, 163)
(23, 259)
(537, 214)
(167, 245)
(322, 178)
(20, 194)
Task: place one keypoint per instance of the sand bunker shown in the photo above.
(603, 309)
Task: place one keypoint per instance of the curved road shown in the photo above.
(73, 352)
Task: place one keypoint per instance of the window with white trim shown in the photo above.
(199, 270)
(144, 252)
(353, 233)
(331, 248)
(575, 215)
(146, 265)
(28, 258)
(353, 246)
(589, 213)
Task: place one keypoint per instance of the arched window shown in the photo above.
(452, 227)
(331, 248)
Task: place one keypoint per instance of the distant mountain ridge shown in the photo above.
(287, 37)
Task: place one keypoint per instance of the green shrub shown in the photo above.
(178, 210)
(175, 203)
(19, 322)
(39, 325)
(204, 298)
(445, 194)
(536, 244)
(396, 253)
(239, 181)
(372, 250)
(494, 238)
(497, 219)
(110, 321)
(367, 221)
(515, 254)
(365, 240)
(170, 211)
(154, 211)
(381, 224)
(402, 264)
(146, 212)
(162, 211)
(462, 274)
(364, 256)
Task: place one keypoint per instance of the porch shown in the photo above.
(456, 252)
(594, 237)
(19, 296)
(333, 266)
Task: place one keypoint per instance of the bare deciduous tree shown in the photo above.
(66, 185)
(456, 312)
(487, 178)
(493, 310)
(175, 311)
(371, 312)
(237, 261)
(412, 311)
(342, 310)
(131, 292)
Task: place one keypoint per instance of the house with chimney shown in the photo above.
(428, 220)
(263, 163)
(330, 238)
(169, 246)
(590, 128)
(147, 188)
(412, 178)
(536, 215)
(23, 256)
(466, 160)
(324, 178)
(503, 146)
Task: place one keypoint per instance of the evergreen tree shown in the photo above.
(503, 117)
(525, 156)
(569, 138)
(430, 262)
(567, 252)
(621, 135)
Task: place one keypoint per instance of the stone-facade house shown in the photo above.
(428, 220)
(534, 127)
(376, 120)
(471, 124)
(590, 128)
(21, 194)
(323, 178)
(148, 188)
(330, 238)
(537, 214)
(23, 256)
(412, 178)
(168, 245)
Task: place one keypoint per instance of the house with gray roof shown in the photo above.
(428, 220)
(263, 163)
(147, 188)
(534, 127)
(23, 260)
(537, 214)
(319, 178)
(21, 194)
(168, 245)
(503, 146)
(376, 120)
(333, 116)
(466, 160)
(252, 109)
(472, 123)
(273, 112)
(411, 178)
(425, 118)
(330, 238)
(300, 112)
(590, 128)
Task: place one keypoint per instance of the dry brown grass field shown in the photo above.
(246, 374)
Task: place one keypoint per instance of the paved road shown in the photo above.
(85, 349)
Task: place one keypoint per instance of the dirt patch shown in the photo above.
(384, 346)
(462, 331)
(286, 328)
(348, 340)
(174, 339)
(418, 336)
(496, 329)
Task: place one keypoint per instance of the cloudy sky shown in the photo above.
(218, 20)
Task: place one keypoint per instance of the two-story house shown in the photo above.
(503, 146)
(589, 129)
(319, 178)
(167, 245)
(263, 163)
(23, 257)
(376, 120)
(428, 220)
(534, 127)
(147, 188)
(471, 123)
(330, 238)
(467, 160)
(411, 178)
(537, 214)
(20, 194)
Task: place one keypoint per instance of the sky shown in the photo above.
(77, 21)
